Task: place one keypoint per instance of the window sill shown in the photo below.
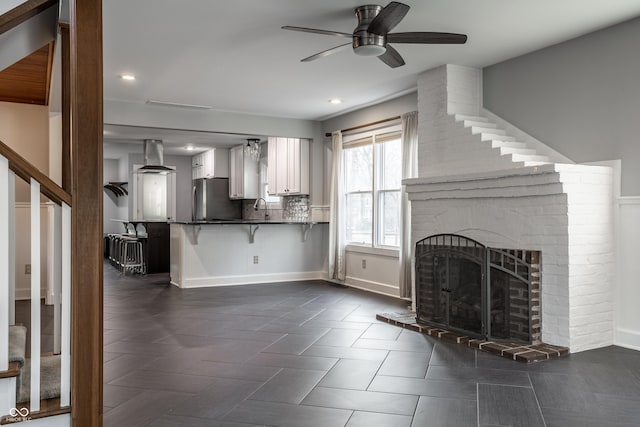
(386, 252)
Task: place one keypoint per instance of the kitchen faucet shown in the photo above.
(266, 207)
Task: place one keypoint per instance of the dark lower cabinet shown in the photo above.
(157, 247)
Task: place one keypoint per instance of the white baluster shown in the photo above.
(65, 339)
(53, 281)
(12, 246)
(35, 296)
(4, 264)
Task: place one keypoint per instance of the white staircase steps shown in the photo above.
(462, 117)
(487, 130)
(496, 136)
(511, 144)
(517, 150)
(502, 144)
(529, 158)
(472, 123)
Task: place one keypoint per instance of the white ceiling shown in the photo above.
(119, 140)
(233, 56)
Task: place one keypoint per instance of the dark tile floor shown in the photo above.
(312, 354)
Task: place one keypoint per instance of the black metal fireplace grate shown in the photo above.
(484, 292)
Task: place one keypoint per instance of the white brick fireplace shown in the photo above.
(478, 182)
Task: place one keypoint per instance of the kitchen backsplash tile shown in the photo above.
(294, 208)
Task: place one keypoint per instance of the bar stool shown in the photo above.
(132, 255)
(113, 252)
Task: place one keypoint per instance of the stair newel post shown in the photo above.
(4, 264)
(35, 296)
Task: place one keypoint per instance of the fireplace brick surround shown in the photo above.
(565, 211)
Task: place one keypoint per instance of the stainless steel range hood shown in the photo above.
(153, 158)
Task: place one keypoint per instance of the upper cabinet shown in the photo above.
(288, 166)
(213, 163)
(244, 177)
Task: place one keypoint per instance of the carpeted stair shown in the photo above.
(17, 350)
(49, 368)
(49, 379)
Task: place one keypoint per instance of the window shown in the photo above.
(274, 201)
(373, 174)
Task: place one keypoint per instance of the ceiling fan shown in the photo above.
(371, 37)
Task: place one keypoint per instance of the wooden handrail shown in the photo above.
(13, 371)
(26, 171)
(22, 12)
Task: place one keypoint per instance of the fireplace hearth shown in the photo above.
(481, 292)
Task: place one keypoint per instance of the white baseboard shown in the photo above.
(251, 279)
(375, 287)
(627, 339)
(25, 294)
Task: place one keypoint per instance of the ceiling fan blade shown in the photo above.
(392, 58)
(325, 52)
(316, 31)
(427, 38)
(388, 18)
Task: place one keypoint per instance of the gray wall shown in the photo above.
(374, 113)
(581, 97)
(384, 110)
(111, 203)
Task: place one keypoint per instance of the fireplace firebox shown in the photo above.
(484, 292)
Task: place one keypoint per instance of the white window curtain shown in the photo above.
(409, 170)
(336, 212)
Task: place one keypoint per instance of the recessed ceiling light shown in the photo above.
(335, 101)
(128, 77)
(190, 147)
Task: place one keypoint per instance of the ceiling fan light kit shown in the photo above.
(371, 36)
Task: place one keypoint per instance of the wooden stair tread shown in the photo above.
(13, 371)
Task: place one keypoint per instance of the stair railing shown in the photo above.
(12, 165)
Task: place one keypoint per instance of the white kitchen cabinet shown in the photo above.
(244, 177)
(213, 163)
(288, 166)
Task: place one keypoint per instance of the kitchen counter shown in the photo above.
(247, 221)
(254, 225)
(221, 253)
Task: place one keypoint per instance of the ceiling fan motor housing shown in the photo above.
(364, 42)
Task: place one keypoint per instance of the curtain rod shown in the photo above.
(366, 125)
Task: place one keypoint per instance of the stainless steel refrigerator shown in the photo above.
(210, 200)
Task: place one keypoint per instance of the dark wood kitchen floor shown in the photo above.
(312, 354)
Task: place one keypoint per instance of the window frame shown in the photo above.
(373, 138)
(273, 202)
